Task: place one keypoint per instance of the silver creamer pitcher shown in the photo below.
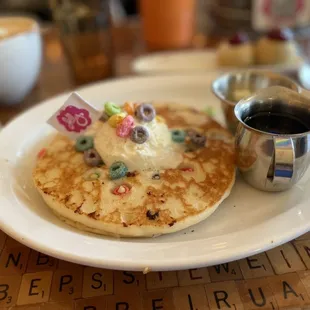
(274, 153)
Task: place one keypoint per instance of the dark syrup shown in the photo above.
(276, 123)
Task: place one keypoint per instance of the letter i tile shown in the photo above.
(190, 297)
(285, 259)
(157, 280)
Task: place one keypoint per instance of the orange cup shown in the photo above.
(167, 24)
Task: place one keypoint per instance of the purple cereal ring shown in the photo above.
(139, 135)
(145, 112)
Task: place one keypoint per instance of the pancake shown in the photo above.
(181, 197)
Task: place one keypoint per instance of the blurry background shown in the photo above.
(90, 40)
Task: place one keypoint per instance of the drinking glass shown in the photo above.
(85, 32)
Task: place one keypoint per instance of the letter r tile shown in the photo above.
(223, 295)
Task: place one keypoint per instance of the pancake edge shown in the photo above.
(85, 223)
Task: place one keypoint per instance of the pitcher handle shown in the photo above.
(284, 160)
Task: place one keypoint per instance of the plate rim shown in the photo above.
(135, 65)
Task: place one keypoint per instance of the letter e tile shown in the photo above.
(35, 288)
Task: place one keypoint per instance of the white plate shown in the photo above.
(248, 222)
(193, 61)
(303, 75)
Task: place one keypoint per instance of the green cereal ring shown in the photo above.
(118, 170)
(111, 108)
(178, 135)
(84, 143)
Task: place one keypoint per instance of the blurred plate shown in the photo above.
(304, 76)
(194, 61)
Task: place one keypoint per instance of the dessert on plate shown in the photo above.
(236, 52)
(138, 171)
(276, 48)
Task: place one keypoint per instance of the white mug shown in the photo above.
(20, 57)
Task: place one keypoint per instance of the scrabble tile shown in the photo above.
(9, 287)
(256, 294)
(225, 272)
(193, 276)
(190, 297)
(159, 299)
(13, 260)
(57, 306)
(289, 291)
(157, 280)
(285, 259)
(256, 266)
(40, 262)
(35, 288)
(125, 301)
(306, 236)
(97, 282)
(93, 303)
(128, 281)
(67, 284)
(305, 279)
(223, 295)
(3, 238)
(303, 248)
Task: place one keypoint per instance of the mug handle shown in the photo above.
(284, 160)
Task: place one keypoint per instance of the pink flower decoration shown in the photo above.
(74, 119)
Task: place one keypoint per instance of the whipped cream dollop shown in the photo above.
(157, 153)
